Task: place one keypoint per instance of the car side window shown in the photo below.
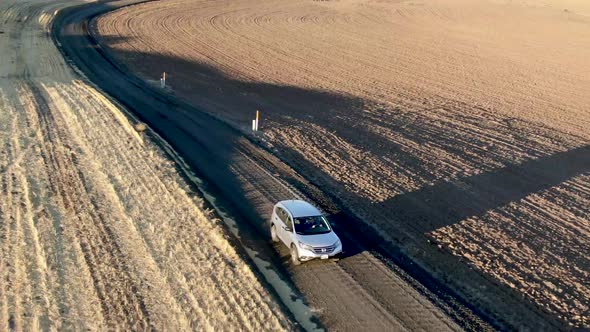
(289, 222)
(281, 214)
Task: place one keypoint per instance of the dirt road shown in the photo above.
(458, 130)
(98, 231)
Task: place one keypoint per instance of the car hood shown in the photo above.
(319, 240)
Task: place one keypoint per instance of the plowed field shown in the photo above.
(98, 231)
(458, 129)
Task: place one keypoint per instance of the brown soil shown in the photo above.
(459, 130)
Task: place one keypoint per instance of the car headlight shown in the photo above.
(337, 243)
(305, 246)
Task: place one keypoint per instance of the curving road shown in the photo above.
(368, 289)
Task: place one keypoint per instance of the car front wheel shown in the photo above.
(294, 255)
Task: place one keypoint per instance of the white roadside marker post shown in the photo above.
(255, 121)
(163, 80)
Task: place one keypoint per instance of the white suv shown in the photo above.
(304, 230)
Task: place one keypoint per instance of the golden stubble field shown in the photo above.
(98, 230)
(458, 129)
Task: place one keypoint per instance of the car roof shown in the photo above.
(300, 208)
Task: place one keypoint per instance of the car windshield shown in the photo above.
(311, 225)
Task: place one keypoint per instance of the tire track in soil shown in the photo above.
(46, 276)
(114, 284)
(12, 236)
(4, 213)
(40, 304)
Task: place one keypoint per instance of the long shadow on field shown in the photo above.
(448, 203)
(210, 147)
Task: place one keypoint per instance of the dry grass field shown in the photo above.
(460, 123)
(98, 231)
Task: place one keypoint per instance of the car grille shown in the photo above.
(323, 250)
